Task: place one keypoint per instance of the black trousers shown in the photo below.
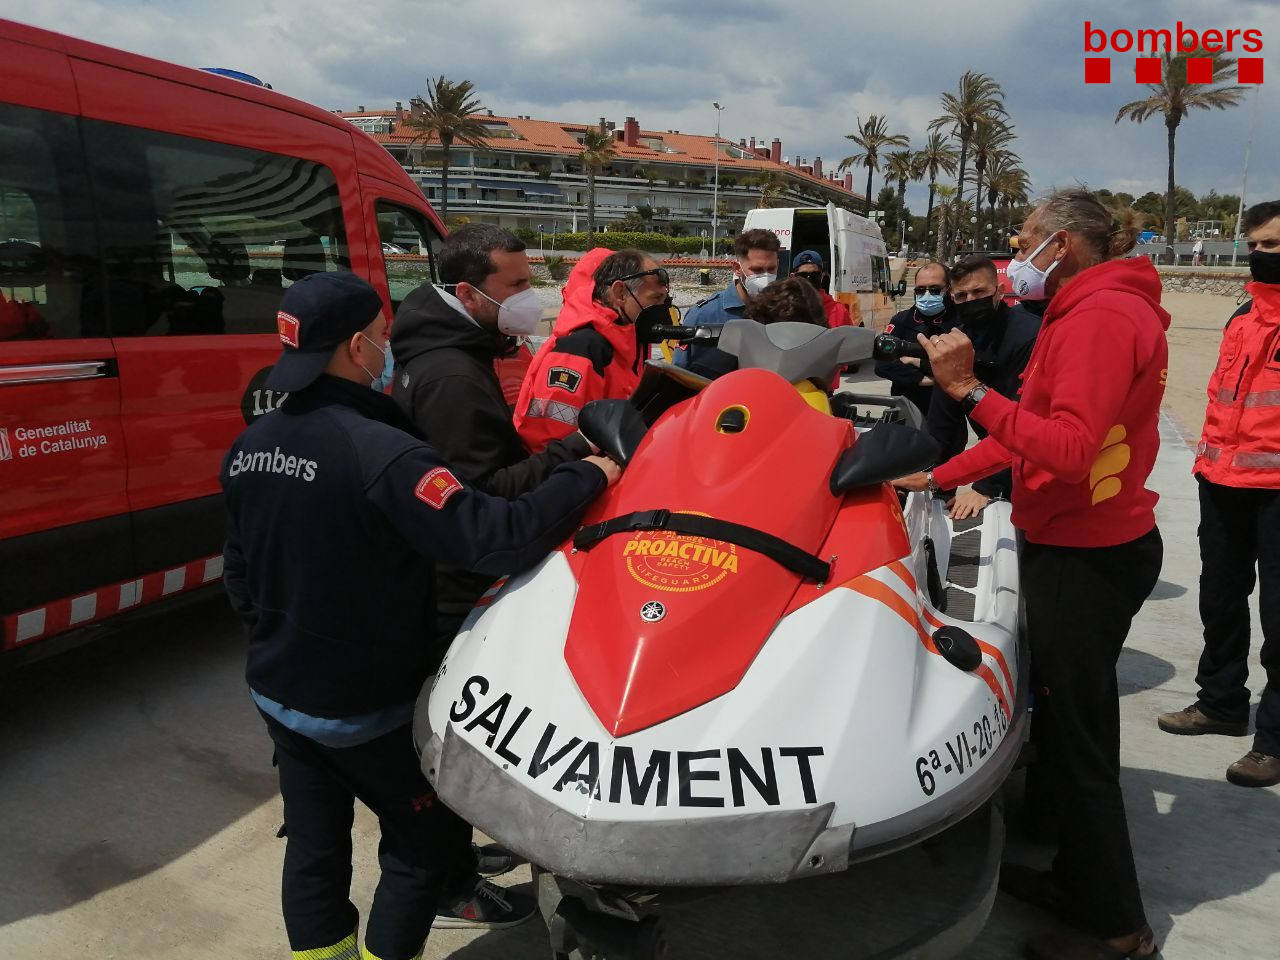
(1239, 529)
(1080, 603)
(424, 845)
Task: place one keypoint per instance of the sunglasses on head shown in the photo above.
(933, 288)
(664, 278)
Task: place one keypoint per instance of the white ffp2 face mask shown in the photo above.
(756, 282)
(1025, 278)
(518, 315)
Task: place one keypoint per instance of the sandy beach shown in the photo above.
(1194, 336)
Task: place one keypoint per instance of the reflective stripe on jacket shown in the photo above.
(1240, 444)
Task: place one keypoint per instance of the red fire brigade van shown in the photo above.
(151, 217)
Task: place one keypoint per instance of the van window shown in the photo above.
(204, 238)
(409, 248)
(48, 241)
(880, 273)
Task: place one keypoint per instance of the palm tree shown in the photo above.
(938, 156)
(597, 151)
(947, 214)
(873, 136)
(977, 96)
(1007, 184)
(772, 185)
(1174, 98)
(447, 113)
(900, 166)
(990, 137)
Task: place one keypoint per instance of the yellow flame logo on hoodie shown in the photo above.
(1112, 459)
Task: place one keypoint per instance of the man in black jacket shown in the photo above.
(930, 314)
(336, 516)
(1003, 337)
(445, 340)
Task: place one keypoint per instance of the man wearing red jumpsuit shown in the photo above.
(1238, 470)
(594, 351)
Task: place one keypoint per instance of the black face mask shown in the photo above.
(814, 277)
(655, 315)
(974, 315)
(1265, 267)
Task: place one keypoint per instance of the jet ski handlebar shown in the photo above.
(707, 333)
(889, 347)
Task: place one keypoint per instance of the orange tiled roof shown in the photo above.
(550, 137)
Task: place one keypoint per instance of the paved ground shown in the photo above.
(139, 805)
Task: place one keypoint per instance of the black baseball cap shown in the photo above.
(804, 257)
(317, 313)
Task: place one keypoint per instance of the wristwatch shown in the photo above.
(974, 397)
(931, 483)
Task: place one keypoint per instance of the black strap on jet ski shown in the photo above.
(790, 556)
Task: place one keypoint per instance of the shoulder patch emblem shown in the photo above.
(287, 325)
(436, 487)
(564, 378)
(888, 328)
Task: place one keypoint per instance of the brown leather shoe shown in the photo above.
(1192, 723)
(1255, 769)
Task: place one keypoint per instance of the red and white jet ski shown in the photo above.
(747, 667)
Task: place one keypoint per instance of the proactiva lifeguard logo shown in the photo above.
(287, 324)
(1150, 42)
(678, 564)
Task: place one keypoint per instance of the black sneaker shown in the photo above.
(486, 907)
(493, 859)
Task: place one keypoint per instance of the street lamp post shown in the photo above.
(1235, 246)
(715, 189)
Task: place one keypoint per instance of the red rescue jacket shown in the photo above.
(838, 314)
(1083, 438)
(1240, 445)
(589, 356)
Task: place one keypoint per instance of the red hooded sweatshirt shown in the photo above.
(589, 356)
(1083, 439)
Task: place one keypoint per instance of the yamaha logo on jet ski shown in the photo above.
(652, 612)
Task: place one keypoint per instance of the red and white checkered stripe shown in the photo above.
(491, 594)
(58, 616)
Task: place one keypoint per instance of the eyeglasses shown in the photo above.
(664, 278)
(933, 288)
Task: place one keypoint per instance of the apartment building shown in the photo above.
(528, 173)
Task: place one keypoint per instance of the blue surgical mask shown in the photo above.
(930, 304)
(383, 380)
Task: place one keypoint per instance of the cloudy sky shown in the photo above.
(804, 72)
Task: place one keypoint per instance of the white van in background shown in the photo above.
(852, 246)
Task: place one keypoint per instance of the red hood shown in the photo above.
(1135, 276)
(580, 310)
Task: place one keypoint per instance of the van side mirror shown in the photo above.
(885, 452)
(613, 425)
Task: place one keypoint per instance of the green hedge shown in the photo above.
(618, 239)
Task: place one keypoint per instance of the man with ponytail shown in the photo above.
(1082, 441)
